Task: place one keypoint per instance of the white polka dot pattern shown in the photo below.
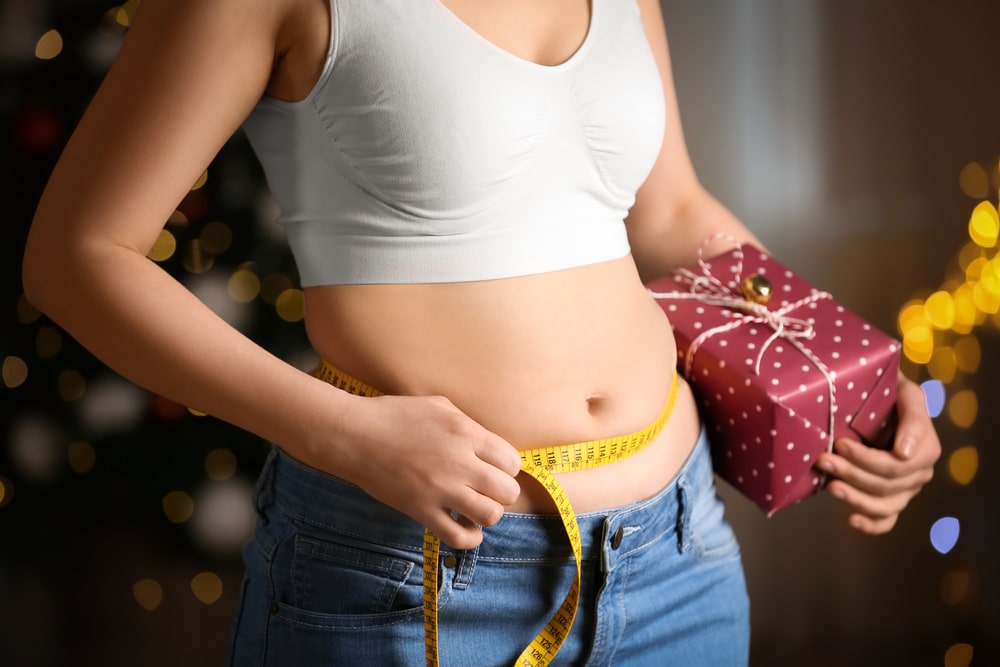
(768, 429)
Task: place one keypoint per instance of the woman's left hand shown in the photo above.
(877, 484)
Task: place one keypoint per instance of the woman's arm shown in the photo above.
(189, 73)
(672, 216)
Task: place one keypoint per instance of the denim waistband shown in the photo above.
(330, 503)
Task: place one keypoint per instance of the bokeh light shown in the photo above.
(178, 506)
(207, 587)
(940, 310)
(164, 247)
(968, 354)
(963, 464)
(984, 225)
(148, 593)
(974, 180)
(49, 45)
(944, 534)
(224, 516)
(244, 286)
(72, 385)
(82, 456)
(955, 587)
(6, 491)
(215, 237)
(290, 305)
(963, 408)
(220, 464)
(959, 655)
(934, 394)
(15, 372)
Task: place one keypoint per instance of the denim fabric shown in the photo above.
(334, 578)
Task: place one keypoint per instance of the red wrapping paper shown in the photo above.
(770, 380)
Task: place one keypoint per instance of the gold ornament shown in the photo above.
(756, 288)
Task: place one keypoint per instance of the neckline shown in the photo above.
(568, 62)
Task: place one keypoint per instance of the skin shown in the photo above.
(189, 73)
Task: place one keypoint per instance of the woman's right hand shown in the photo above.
(426, 458)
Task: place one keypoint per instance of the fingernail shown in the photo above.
(838, 492)
(908, 445)
(827, 465)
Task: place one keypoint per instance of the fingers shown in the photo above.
(875, 484)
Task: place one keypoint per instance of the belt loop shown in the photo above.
(262, 493)
(683, 515)
(464, 568)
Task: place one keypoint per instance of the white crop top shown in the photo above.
(425, 153)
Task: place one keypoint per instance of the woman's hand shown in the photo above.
(429, 460)
(878, 484)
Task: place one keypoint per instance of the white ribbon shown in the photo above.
(708, 289)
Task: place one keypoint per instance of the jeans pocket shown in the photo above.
(349, 583)
(712, 536)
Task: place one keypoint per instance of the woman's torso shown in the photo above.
(550, 358)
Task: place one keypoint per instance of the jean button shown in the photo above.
(450, 561)
(616, 539)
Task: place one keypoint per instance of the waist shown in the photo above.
(561, 357)
(321, 500)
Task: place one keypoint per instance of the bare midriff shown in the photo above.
(547, 359)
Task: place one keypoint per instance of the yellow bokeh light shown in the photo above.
(215, 237)
(985, 299)
(975, 269)
(272, 286)
(954, 587)
(201, 181)
(243, 286)
(963, 408)
(918, 344)
(164, 247)
(940, 310)
(966, 313)
(195, 259)
(26, 313)
(49, 45)
(82, 457)
(290, 305)
(984, 224)
(71, 386)
(974, 180)
(15, 372)
(177, 506)
(943, 364)
(911, 315)
(220, 464)
(6, 491)
(48, 342)
(207, 587)
(968, 254)
(958, 655)
(968, 354)
(963, 464)
(148, 593)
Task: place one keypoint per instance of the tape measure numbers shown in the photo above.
(540, 463)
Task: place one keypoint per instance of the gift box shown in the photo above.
(779, 370)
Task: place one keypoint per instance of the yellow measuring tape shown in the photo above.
(540, 463)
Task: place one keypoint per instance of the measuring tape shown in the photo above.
(540, 463)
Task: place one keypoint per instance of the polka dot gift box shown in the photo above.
(779, 370)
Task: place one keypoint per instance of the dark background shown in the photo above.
(837, 130)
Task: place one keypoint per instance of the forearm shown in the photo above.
(145, 325)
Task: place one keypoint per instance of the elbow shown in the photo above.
(43, 273)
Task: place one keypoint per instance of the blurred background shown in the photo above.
(860, 139)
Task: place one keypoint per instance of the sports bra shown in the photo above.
(425, 153)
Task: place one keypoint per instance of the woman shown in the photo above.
(454, 175)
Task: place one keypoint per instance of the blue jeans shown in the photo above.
(334, 577)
